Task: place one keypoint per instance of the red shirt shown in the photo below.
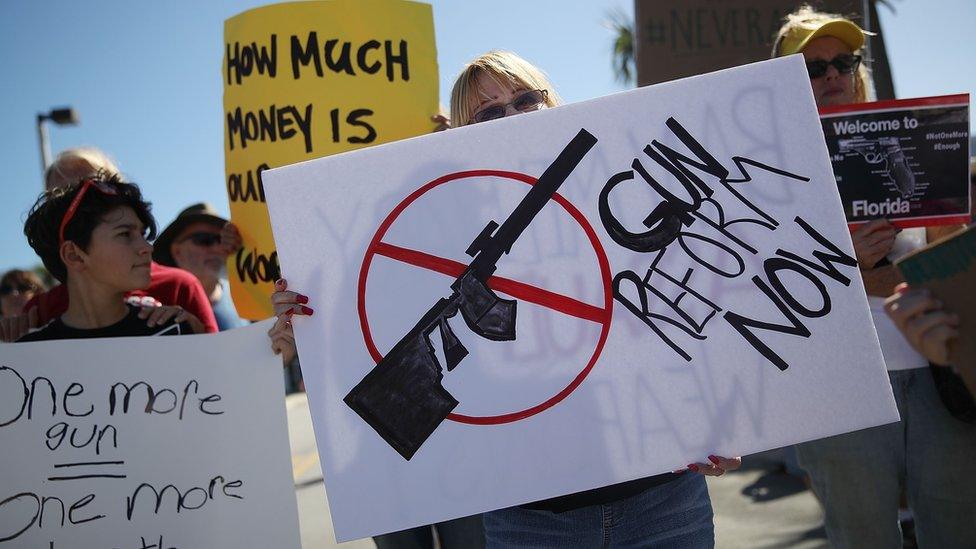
(169, 285)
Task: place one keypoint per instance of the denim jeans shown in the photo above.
(462, 533)
(677, 514)
(858, 476)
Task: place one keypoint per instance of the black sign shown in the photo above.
(904, 160)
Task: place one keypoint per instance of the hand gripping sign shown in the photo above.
(402, 398)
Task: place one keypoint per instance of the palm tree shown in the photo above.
(622, 53)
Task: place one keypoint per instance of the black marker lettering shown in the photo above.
(400, 58)
(69, 392)
(368, 68)
(240, 63)
(23, 401)
(253, 266)
(354, 119)
(344, 63)
(304, 55)
(743, 325)
(7, 536)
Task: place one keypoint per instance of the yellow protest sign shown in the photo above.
(308, 79)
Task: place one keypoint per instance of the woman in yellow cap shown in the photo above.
(859, 476)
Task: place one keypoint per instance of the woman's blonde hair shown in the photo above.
(806, 19)
(72, 165)
(506, 69)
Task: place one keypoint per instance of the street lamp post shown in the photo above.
(64, 116)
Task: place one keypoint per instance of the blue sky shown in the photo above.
(145, 78)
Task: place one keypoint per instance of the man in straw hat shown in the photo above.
(196, 241)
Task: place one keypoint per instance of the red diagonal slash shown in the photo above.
(514, 288)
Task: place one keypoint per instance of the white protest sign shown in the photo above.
(680, 283)
(145, 443)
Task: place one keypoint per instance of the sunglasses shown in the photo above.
(845, 63)
(524, 102)
(203, 239)
(99, 185)
(7, 289)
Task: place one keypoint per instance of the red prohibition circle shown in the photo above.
(572, 211)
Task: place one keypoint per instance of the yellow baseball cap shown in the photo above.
(842, 29)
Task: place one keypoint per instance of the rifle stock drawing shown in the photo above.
(887, 150)
(402, 398)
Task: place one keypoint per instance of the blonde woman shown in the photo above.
(859, 476)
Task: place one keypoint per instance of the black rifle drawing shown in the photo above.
(887, 150)
(402, 398)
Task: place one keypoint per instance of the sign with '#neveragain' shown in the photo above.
(906, 160)
(152, 442)
(576, 297)
(308, 79)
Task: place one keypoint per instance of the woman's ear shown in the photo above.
(72, 256)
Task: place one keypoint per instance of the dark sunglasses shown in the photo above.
(7, 289)
(845, 63)
(523, 102)
(203, 239)
(99, 185)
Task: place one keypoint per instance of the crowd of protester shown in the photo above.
(93, 230)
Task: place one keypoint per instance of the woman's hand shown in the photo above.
(159, 315)
(443, 123)
(283, 339)
(143, 301)
(282, 334)
(717, 467)
(921, 318)
(230, 239)
(287, 302)
(872, 241)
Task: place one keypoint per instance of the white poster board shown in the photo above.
(203, 462)
(627, 360)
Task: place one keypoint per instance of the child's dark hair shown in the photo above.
(44, 220)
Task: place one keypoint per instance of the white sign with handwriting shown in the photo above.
(145, 443)
(576, 297)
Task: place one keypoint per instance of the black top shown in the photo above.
(600, 496)
(130, 325)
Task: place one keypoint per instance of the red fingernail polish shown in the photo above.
(301, 299)
(289, 312)
(693, 467)
(713, 459)
(307, 310)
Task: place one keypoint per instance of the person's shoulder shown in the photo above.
(50, 304)
(163, 274)
(173, 286)
(48, 332)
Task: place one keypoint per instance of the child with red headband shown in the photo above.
(93, 237)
